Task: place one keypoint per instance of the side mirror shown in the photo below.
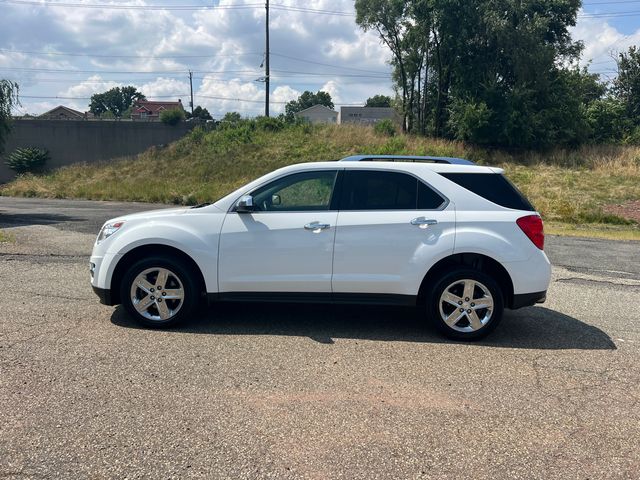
(245, 204)
(275, 199)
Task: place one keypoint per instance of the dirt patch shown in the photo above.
(628, 210)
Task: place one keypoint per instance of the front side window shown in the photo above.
(380, 190)
(301, 192)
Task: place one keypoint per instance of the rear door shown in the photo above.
(391, 228)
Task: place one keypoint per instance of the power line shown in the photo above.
(97, 55)
(323, 64)
(149, 72)
(132, 7)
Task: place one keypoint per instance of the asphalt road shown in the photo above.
(259, 391)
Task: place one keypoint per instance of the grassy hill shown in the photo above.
(571, 188)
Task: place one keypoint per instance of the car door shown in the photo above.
(286, 243)
(391, 228)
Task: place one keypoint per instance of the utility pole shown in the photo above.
(191, 87)
(266, 64)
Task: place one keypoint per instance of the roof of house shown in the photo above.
(156, 107)
(67, 110)
(369, 111)
(315, 107)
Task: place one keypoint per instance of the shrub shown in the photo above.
(23, 160)
(269, 124)
(172, 117)
(385, 127)
(633, 138)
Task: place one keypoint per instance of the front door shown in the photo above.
(286, 243)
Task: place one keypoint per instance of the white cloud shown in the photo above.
(602, 43)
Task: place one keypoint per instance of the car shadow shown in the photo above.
(8, 220)
(532, 327)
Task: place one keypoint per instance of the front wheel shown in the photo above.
(466, 304)
(159, 292)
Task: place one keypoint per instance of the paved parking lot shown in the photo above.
(259, 391)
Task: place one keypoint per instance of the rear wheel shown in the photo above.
(159, 292)
(466, 304)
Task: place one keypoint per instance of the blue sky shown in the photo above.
(72, 51)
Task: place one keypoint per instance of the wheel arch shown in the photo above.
(476, 261)
(149, 250)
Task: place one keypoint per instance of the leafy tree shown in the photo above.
(199, 113)
(626, 86)
(378, 101)
(117, 100)
(172, 116)
(8, 98)
(489, 71)
(608, 120)
(306, 100)
(232, 117)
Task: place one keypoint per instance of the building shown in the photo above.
(64, 113)
(368, 115)
(147, 110)
(318, 114)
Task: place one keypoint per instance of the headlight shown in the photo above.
(109, 229)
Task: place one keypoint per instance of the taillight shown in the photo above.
(532, 227)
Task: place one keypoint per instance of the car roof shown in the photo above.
(407, 158)
(400, 166)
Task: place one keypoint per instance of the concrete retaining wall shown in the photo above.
(71, 141)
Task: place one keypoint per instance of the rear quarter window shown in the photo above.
(493, 187)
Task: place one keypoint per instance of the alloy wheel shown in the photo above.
(466, 305)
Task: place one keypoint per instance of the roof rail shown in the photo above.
(406, 158)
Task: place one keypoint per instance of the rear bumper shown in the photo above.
(104, 295)
(527, 299)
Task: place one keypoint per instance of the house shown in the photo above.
(64, 113)
(147, 110)
(368, 115)
(318, 114)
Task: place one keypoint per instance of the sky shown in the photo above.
(63, 51)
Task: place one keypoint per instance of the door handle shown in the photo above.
(316, 226)
(423, 222)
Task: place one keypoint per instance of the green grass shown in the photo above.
(569, 187)
(5, 237)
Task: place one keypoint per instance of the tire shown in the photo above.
(462, 319)
(151, 306)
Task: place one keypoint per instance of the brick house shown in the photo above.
(147, 110)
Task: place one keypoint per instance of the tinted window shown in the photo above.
(427, 198)
(297, 192)
(493, 187)
(377, 190)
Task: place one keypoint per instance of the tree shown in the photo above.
(626, 86)
(378, 101)
(172, 116)
(232, 117)
(199, 113)
(8, 98)
(117, 100)
(488, 70)
(306, 100)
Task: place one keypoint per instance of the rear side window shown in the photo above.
(379, 190)
(493, 187)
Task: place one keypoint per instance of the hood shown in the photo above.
(163, 212)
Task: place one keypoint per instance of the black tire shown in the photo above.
(463, 328)
(180, 275)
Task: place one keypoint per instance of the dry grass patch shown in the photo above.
(569, 187)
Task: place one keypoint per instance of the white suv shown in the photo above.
(455, 239)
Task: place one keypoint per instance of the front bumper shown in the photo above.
(527, 299)
(104, 295)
